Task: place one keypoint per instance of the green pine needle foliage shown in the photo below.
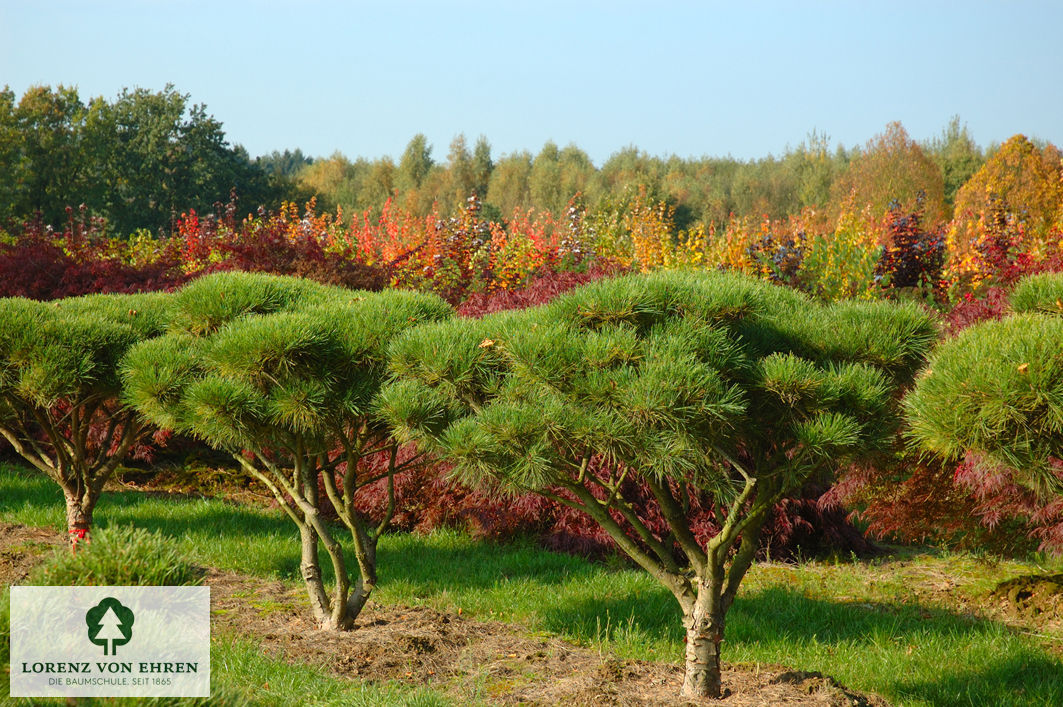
(668, 373)
(253, 358)
(207, 303)
(1039, 293)
(996, 390)
(70, 349)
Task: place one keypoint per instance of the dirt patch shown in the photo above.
(22, 549)
(1031, 596)
(492, 661)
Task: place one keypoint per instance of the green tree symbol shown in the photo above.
(110, 621)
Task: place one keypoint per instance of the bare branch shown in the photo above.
(678, 521)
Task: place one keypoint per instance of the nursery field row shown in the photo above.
(916, 627)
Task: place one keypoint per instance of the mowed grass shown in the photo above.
(892, 626)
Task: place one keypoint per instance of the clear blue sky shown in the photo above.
(685, 78)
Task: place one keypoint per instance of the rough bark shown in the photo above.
(365, 554)
(80, 503)
(704, 624)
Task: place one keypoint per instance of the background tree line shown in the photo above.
(707, 190)
(137, 161)
(143, 158)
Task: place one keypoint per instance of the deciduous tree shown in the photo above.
(893, 168)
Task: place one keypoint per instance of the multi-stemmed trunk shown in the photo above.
(63, 454)
(299, 496)
(707, 584)
(338, 611)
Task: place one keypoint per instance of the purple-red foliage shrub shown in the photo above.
(542, 288)
(272, 251)
(1000, 501)
(42, 265)
(426, 499)
(914, 256)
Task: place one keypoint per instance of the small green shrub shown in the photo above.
(119, 556)
(1039, 293)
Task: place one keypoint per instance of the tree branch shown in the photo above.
(678, 521)
(676, 583)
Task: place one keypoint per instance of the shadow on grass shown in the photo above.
(929, 654)
(429, 564)
(1016, 680)
(444, 560)
(954, 659)
(29, 497)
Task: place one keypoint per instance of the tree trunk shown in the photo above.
(365, 554)
(704, 624)
(310, 568)
(79, 507)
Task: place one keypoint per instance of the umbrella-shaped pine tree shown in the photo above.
(996, 390)
(60, 404)
(710, 385)
(292, 396)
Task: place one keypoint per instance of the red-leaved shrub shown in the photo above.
(541, 289)
(426, 500)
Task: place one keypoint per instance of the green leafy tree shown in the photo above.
(60, 406)
(51, 163)
(378, 185)
(996, 390)
(415, 164)
(330, 181)
(708, 388)
(151, 155)
(814, 169)
(11, 175)
(545, 180)
(284, 374)
(509, 188)
(482, 166)
(461, 175)
(287, 163)
(957, 155)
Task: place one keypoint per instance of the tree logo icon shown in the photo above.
(110, 623)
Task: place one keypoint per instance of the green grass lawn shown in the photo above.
(871, 625)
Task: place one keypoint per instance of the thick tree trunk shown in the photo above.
(79, 507)
(704, 623)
